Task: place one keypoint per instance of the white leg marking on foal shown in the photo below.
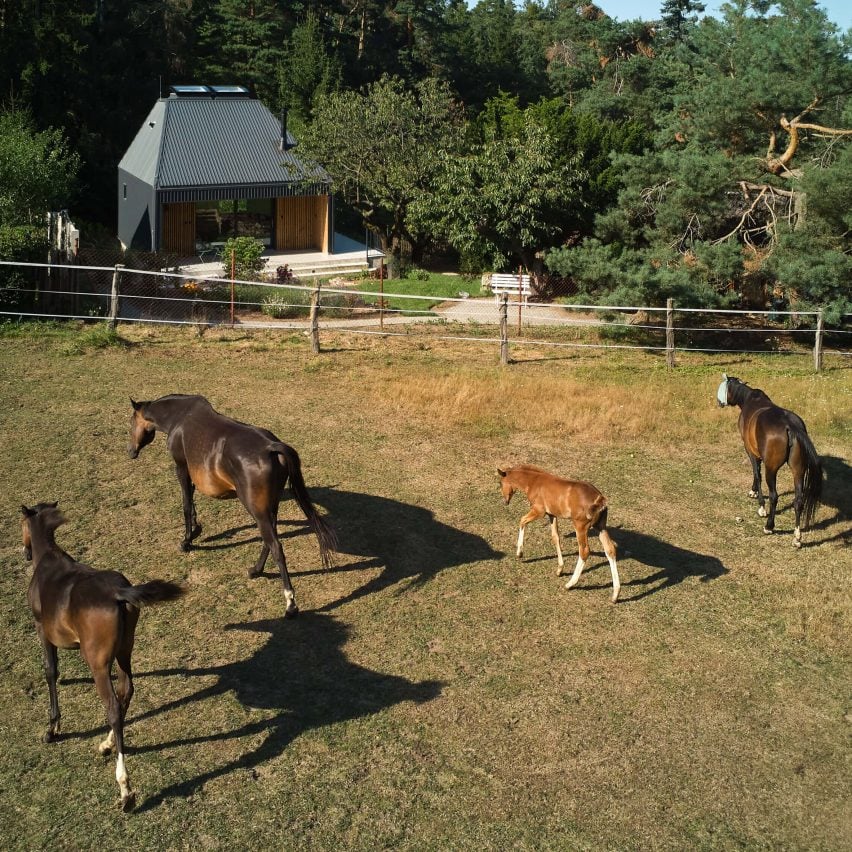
(616, 583)
(761, 512)
(576, 575)
(520, 550)
(797, 537)
(554, 532)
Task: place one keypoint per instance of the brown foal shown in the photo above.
(75, 606)
(557, 498)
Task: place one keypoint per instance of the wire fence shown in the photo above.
(155, 292)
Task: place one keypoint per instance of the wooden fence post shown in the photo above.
(670, 350)
(315, 298)
(504, 329)
(113, 298)
(818, 343)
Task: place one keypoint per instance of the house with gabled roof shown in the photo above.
(212, 162)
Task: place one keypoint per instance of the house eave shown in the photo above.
(178, 194)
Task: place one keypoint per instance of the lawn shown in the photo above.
(435, 692)
(431, 288)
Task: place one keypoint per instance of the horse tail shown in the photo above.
(325, 534)
(145, 594)
(812, 476)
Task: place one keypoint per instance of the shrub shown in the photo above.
(248, 259)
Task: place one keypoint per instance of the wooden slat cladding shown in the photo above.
(179, 228)
(301, 222)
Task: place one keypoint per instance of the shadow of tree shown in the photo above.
(405, 541)
(302, 674)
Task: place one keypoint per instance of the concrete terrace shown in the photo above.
(349, 257)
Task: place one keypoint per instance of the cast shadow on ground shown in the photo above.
(406, 542)
(674, 564)
(836, 494)
(302, 675)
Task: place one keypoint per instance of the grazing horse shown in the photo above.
(557, 498)
(75, 606)
(224, 458)
(775, 436)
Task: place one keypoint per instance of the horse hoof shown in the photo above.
(254, 573)
(797, 543)
(128, 801)
(291, 611)
(767, 531)
(186, 546)
(753, 495)
(761, 512)
(49, 737)
(104, 748)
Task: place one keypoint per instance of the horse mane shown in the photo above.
(742, 390)
(530, 468)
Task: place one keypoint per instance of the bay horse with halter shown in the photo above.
(775, 436)
(558, 498)
(75, 606)
(224, 458)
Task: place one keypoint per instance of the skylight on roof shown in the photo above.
(230, 90)
(191, 90)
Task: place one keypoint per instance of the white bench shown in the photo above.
(511, 284)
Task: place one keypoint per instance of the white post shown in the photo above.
(504, 329)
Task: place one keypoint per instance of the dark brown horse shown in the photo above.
(775, 436)
(224, 458)
(555, 497)
(75, 606)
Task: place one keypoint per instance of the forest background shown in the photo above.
(702, 158)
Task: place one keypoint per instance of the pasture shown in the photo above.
(435, 692)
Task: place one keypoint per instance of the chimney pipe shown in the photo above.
(283, 145)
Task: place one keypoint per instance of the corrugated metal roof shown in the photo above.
(207, 142)
(140, 159)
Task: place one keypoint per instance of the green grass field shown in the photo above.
(435, 691)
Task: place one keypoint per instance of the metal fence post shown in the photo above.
(315, 298)
(113, 298)
(504, 329)
(818, 342)
(670, 350)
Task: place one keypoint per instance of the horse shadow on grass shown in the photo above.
(837, 494)
(674, 564)
(405, 541)
(302, 675)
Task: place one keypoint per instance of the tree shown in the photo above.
(501, 201)
(381, 147)
(675, 15)
(37, 171)
(757, 110)
(308, 70)
(37, 174)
